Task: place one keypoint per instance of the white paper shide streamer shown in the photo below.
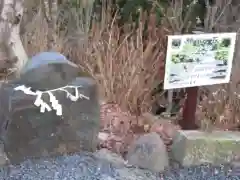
(54, 102)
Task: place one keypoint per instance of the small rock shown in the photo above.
(148, 152)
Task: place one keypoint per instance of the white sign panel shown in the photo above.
(199, 59)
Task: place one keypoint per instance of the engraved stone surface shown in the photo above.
(45, 121)
(32, 133)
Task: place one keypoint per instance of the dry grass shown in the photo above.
(35, 37)
(125, 66)
(126, 62)
(220, 107)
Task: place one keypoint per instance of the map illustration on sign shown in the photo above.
(199, 59)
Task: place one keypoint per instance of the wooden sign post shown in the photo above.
(189, 109)
(190, 106)
(197, 60)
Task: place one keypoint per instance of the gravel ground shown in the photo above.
(89, 167)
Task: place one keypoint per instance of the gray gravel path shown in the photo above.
(203, 172)
(88, 167)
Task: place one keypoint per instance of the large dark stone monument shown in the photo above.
(49, 110)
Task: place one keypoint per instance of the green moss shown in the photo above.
(210, 150)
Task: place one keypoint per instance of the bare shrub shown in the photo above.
(126, 65)
(220, 105)
(126, 62)
(35, 37)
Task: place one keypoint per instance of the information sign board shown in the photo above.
(199, 59)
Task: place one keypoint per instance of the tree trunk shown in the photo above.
(11, 47)
(49, 10)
